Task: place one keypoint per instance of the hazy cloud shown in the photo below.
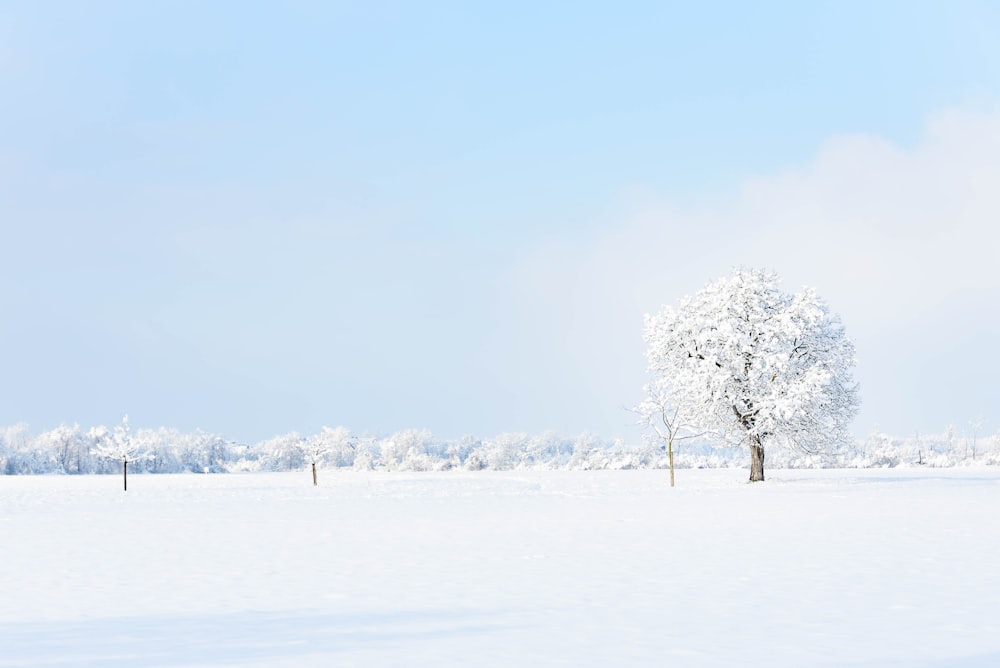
(901, 241)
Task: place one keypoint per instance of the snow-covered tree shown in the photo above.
(324, 445)
(407, 450)
(976, 426)
(281, 453)
(755, 365)
(504, 452)
(118, 445)
(314, 450)
(367, 454)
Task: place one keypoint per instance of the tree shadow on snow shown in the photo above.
(887, 479)
(231, 638)
(990, 660)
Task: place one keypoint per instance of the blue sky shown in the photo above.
(252, 219)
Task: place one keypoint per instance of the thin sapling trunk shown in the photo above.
(670, 454)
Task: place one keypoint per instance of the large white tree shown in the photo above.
(755, 365)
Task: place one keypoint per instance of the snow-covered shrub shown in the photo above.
(72, 450)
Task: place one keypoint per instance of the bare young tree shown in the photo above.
(665, 420)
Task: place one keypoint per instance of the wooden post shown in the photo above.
(125, 472)
(314, 474)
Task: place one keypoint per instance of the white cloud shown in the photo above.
(901, 241)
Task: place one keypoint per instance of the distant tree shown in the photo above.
(321, 446)
(755, 365)
(313, 450)
(367, 454)
(406, 450)
(976, 425)
(118, 445)
(503, 452)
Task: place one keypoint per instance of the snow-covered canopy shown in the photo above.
(748, 361)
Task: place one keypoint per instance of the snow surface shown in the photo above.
(575, 568)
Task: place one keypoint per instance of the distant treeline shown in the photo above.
(71, 450)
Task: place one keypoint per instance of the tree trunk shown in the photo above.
(125, 474)
(756, 459)
(314, 474)
(670, 453)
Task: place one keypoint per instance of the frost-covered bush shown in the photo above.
(71, 450)
(367, 456)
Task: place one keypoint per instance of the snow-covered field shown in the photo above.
(820, 567)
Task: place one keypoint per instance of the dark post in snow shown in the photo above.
(125, 472)
(314, 474)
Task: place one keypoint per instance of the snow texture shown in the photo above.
(813, 567)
